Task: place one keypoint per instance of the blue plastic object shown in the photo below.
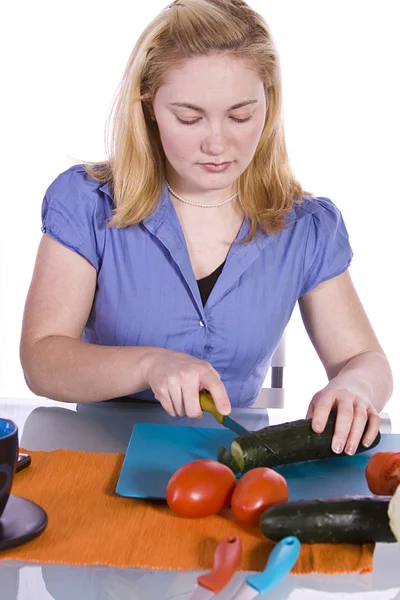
(156, 451)
(280, 562)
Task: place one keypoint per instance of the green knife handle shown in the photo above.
(207, 404)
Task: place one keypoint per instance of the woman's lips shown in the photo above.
(216, 168)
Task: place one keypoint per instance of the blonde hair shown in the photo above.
(135, 169)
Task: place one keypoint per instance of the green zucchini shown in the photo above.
(283, 444)
(350, 519)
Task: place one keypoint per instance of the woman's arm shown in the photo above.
(55, 362)
(360, 378)
(58, 365)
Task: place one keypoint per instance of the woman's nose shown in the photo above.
(214, 141)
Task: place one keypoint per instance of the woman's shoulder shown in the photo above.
(74, 189)
(75, 212)
(321, 207)
(327, 249)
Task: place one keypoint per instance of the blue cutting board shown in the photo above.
(155, 452)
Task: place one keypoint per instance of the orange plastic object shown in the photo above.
(226, 561)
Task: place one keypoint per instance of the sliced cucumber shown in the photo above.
(283, 444)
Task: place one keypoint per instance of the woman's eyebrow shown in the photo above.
(199, 109)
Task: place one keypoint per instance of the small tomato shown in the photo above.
(200, 488)
(383, 473)
(256, 491)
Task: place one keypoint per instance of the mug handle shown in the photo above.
(7, 470)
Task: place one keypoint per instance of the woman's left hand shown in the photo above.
(354, 410)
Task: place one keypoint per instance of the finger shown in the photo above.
(175, 394)
(218, 392)
(310, 411)
(357, 428)
(322, 404)
(374, 421)
(164, 399)
(344, 421)
(191, 399)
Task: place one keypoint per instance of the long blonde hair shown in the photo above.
(135, 161)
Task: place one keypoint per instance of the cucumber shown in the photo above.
(349, 519)
(227, 459)
(283, 444)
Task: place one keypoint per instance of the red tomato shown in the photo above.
(383, 473)
(200, 488)
(256, 491)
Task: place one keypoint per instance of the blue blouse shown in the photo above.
(147, 294)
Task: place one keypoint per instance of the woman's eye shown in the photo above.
(197, 120)
(188, 122)
(241, 120)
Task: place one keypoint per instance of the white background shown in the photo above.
(61, 64)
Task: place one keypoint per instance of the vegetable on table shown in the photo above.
(257, 490)
(200, 488)
(394, 514)
(283, 444)
(383, 473)
(350, 519)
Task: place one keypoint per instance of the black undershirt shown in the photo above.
(206, 284)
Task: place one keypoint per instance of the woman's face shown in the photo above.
(212, 110)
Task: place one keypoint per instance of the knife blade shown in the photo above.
(208, 405)
(234, 426)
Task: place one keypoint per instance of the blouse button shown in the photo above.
(201, 323)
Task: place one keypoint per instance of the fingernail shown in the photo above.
(366, 443)
(317, 427)
(337, 448)
(350, 450)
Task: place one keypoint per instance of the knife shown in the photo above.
(226, 562)
(280, 562)
(207, 404)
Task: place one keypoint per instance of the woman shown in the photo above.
(175, 265)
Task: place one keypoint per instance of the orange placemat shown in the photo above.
(90, 525)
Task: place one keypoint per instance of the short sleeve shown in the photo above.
(73, 214)
(328, 252)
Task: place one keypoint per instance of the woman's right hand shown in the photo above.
(177, 378)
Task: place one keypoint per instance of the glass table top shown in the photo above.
(106, 427)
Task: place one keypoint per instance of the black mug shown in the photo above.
(8, 459)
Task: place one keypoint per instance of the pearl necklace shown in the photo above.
(195, 203)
